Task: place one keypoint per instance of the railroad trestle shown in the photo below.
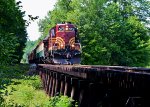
(98, 86)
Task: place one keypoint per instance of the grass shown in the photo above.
(26, 93)
(20, 90)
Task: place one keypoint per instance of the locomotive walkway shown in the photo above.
(98, 86)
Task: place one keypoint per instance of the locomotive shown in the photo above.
(61, 46)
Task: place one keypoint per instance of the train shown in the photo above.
(60, 46)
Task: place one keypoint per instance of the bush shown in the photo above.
(18, 90)
(60, 101)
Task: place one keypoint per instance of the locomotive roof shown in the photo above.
(64, 24)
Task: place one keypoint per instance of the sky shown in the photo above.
(36, 8)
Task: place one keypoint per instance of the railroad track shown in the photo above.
(93, 85)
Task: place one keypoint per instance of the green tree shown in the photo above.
(12, 32)
(112, 32)
(126, 38)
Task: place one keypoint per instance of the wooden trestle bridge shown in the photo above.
(98, 86)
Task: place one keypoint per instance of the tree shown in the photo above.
(112, 32)
(13, 34)
(127, 42)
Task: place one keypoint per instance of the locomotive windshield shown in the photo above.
(71, 29)
(60, 28)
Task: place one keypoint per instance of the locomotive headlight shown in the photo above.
(62, 45)
(72, 46)
(66, 27)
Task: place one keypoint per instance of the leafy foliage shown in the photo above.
(60, 101)
(19, 90)
(13, 34)
(112, 32)
(26, 93)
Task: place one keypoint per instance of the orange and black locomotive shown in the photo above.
(61, 46)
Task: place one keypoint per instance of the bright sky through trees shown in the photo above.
(36, 8)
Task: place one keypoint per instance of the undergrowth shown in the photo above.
(20, 90)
